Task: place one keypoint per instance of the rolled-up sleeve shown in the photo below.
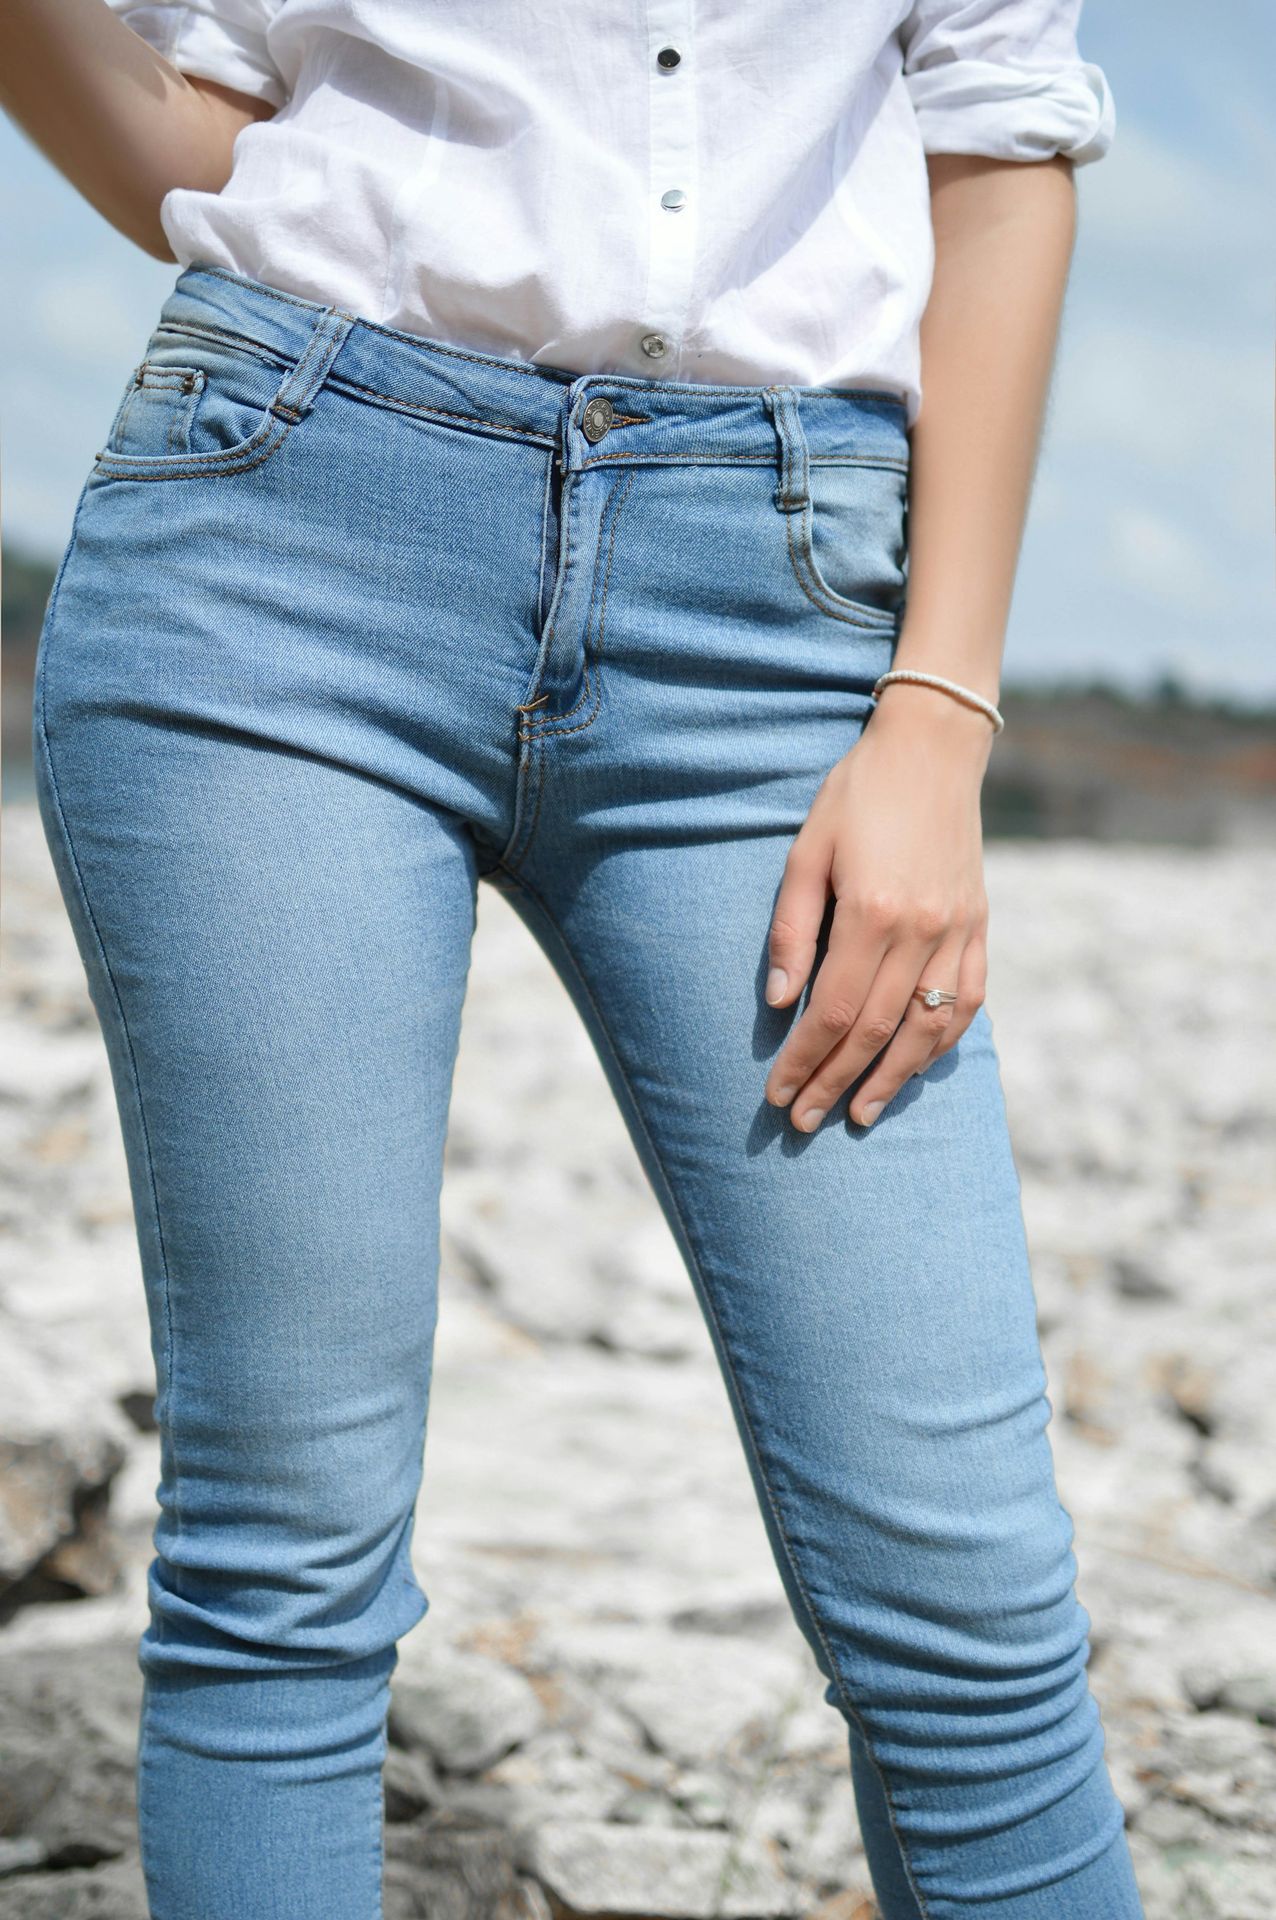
(222, 40)
(1005, 78)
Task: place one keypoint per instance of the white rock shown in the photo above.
(599, 1869)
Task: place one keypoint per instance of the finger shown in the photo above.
(884, 1019)
(857, 941)
(797, 918)
(913, 1046)
(972, 987)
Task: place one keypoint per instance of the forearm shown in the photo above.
(112, 114)
(1003, 242)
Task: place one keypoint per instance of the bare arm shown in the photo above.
(895, 832)
(1003, 242)
(112, 114)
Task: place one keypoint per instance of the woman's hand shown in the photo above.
(895, 831)
(895, 835)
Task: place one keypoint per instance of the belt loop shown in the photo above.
(792, 488)
(302, 382)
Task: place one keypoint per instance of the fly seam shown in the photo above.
(515, 847)
(589, 611)
(602, 622)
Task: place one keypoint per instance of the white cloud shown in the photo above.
(1162, 562)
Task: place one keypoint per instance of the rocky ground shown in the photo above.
(609, 1710)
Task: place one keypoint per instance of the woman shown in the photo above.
(514, 488)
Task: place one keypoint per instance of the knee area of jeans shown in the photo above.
(254, 1617)
(203, 1654)
(1028, 1720)
(963, 1646)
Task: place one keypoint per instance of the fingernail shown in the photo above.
(871, 1112)
(783, 1095)
(776, 981)
(810, 1120)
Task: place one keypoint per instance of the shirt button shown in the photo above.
(654, 345)
(597, 417)
(674, 199)
(668, 57)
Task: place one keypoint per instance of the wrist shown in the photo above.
(917, 709)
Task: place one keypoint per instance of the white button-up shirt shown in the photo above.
(691, 189)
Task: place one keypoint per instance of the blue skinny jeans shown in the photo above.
(349, 621)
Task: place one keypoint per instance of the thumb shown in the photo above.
(796, 920)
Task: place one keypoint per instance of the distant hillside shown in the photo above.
(1077, 759)
(1090, 761)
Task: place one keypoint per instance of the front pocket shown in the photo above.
(847, 541)
(197, 404)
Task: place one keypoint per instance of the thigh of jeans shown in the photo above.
(278, 955)
(270, 872)
(869, 1290)
(274, 705)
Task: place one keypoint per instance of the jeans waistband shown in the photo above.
(592, 419)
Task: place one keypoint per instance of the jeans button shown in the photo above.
(597, 417)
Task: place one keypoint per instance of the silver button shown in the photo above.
(597, 417)
(654, 345)
(674, 199)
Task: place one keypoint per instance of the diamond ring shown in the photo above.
(934, 996)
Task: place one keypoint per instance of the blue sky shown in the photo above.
(1150, 538)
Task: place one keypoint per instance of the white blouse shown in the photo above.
(722, 190)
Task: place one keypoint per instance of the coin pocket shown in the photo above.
(153, 419)
(199, 405)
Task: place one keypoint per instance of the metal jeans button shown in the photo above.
(597, 417)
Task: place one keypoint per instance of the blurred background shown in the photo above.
(609, 1668)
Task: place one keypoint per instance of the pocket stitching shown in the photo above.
(802, 559)
(181, 463)
(268, 437)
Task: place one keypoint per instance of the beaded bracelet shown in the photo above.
(949, 686)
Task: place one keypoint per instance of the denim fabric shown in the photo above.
(348, 622)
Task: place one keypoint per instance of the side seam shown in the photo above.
(42, 741)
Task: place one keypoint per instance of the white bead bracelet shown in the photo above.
(948, 686)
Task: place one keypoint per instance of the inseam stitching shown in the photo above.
(851, 1710)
